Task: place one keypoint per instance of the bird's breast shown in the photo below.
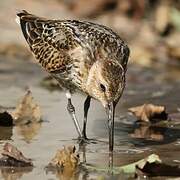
(81, 63)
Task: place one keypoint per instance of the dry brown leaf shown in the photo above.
(66, 158)
(27, 110)
(147, 112)
(12, 157)
(157, 169)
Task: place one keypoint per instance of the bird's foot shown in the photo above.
(84, 140)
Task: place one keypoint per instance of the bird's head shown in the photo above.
(106, 81)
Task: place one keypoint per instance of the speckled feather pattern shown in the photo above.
(67, 49)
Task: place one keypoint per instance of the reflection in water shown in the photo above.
(6, 133)
(14, 173)
(84, 171)
(63, 174)
(148, 132)
(153, 134)
(29, 131)
(66, 174)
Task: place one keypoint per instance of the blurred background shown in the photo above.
(151, 27)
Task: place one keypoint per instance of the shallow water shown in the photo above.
(160, 85)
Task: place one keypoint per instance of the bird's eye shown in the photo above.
(103, 88)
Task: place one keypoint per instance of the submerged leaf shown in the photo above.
(148, 112)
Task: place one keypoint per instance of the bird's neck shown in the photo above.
(90, 78)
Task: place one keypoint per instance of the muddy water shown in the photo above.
(160, 85)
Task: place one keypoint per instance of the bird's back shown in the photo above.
(68, 48)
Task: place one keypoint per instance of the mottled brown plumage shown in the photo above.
(86, 55)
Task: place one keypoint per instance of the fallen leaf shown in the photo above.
(27, 110)
(65, 163)
(148, 112)
(12, 157)
(159, 169)
(66, 158)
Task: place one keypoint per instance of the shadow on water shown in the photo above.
(29, 131)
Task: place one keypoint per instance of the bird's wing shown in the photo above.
(49, 41)
(111, 43)
(102, 41)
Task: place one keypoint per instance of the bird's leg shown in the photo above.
(86, 108)
(71, 111)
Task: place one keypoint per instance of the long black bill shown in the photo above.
(110, 111)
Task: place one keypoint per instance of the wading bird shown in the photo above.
(88, 56)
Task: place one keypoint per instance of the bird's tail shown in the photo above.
(23, 18)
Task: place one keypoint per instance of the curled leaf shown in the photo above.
(27, 110)
(66, 158)
(148, 112)
(65, 163)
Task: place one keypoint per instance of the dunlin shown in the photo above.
(86, 55)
